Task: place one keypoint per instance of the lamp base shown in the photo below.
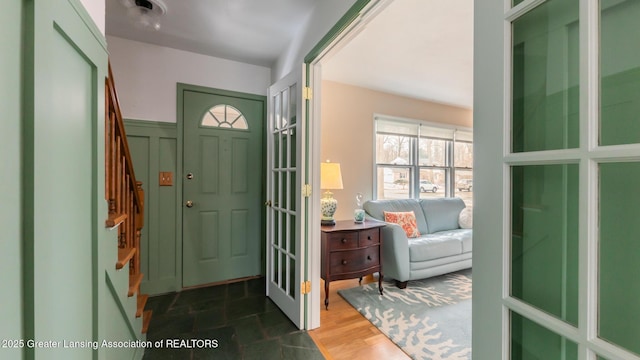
(328, 206)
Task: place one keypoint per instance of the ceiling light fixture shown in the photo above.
(145, 14)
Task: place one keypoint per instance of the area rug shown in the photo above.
(430, 319)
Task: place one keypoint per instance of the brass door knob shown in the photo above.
(189, 204)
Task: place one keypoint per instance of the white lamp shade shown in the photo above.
(330, 176)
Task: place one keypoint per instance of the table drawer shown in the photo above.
(369, 237)
(354, 260)
(342, 240)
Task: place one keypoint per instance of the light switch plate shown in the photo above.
(166, 178)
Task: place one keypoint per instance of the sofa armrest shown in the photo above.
(395, 253)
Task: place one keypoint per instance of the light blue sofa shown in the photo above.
(442, 246)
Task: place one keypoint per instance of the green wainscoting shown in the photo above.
(10, 176)
(153, 147)
(62, 284)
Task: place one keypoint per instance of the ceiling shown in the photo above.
(416, 48)
(251, 31)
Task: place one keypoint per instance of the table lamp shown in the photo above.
(330, 179)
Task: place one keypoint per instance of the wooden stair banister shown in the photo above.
(118, 158)
(125, 197)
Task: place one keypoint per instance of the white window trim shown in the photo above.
(449, 190)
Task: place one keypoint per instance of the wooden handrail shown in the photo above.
(124, 195)
(112, 107)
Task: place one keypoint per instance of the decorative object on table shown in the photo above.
(431, 319)
(330, 179)
(358, 213)
(349, 251)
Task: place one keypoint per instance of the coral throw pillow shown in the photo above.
(407, 220)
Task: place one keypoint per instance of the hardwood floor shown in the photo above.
(345, 334)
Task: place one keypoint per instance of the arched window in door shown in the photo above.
(225, 116)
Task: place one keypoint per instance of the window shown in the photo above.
(416, 159)
(224, 116)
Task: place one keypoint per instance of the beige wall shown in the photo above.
(347, 132)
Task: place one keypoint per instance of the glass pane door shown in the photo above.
(284, 255)
(619, 197)
(572, 251)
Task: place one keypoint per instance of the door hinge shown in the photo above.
(306, 190)
(307, 93)
(306, 287)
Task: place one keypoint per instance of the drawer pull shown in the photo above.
(369, 237)
(344, 262)
(344, 241)
(368, 257)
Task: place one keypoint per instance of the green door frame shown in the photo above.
(343, 24)
(181, 88)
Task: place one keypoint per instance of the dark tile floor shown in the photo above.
(239, 321)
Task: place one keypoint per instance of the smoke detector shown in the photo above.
(145, 14)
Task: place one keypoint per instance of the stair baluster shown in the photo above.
(124, 195)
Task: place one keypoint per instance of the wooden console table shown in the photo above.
(349, 251)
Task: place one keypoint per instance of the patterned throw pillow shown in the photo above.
(407, 220)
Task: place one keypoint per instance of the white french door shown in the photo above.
(557, 151)
(285, 203)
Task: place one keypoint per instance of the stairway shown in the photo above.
(125, 198)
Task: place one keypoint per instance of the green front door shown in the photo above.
(222, 183)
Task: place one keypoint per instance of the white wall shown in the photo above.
(146, 76)
(320, 21)
(97, 10)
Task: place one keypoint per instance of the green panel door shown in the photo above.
(222, 186)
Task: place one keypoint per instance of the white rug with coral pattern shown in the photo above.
(430, 319)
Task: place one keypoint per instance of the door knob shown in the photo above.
(189, 176)
(189, 203)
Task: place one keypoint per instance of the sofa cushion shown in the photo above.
(442, 214)
(376, 209)
(465, 236)
(421, 265)
(406, 220)
(433, 246)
